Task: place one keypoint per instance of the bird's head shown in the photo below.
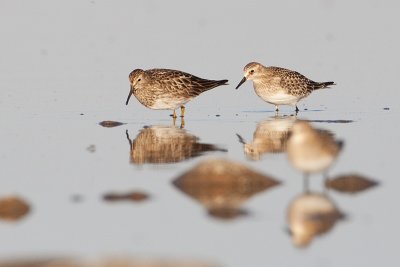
(251, 71)
(136, 79)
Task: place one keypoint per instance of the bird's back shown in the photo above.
(180, 83)
(292, 81)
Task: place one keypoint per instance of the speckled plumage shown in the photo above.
(166, 144)
(311, 214)
(280, 86)
(270, 136)
(167, 89)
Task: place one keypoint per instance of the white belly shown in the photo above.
(169, 103)
(280, 98)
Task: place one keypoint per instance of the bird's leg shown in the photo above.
(306, 182)
(182, 111)
(276, 110)
(174, 121)
(182, 123)
(129, 139)
(325, 182)
(174, 115)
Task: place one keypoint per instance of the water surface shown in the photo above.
(64, 70)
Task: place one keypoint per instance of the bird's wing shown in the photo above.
(329, 142)
(182, 83)
(294, 81)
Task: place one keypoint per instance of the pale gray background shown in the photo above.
(60, 59)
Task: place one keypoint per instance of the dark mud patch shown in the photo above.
(350, 183)
(135, 196)
(13, 208)
(110, 124)
(331, 121)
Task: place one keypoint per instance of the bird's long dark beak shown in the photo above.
(241, 82)
(130, 94)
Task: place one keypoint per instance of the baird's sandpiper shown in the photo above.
(280, 86)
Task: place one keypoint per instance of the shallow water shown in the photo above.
(65, 70)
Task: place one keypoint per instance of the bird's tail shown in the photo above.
(217, 83)
(202, 85)
(323, 85)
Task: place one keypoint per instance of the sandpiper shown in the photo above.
(312, 150)
(270, 136)
(160, 144)
(280, 86)
(167, 89)
(311, 214)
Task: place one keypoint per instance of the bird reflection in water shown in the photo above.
(222, 186)
(270, 136)
(309, 215)
(312, 150)
(312, 214)
(166, 144)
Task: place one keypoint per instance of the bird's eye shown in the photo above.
(139, 80)
(252, 71)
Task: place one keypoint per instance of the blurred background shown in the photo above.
(64, 68)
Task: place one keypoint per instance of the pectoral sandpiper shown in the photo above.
(167, 89)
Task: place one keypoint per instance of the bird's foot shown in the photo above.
(174, 115)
